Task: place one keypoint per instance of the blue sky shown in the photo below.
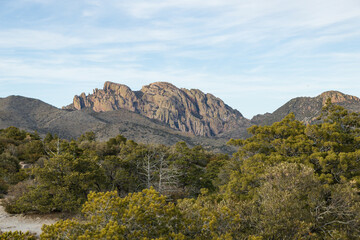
(254, 54)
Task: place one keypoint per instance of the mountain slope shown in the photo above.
(186, 110)
(306, 109)
(34, 115)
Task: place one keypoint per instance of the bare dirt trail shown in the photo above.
(13, 222)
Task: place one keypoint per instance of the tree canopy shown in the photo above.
(287, 181)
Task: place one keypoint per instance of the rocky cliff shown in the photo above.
(161, 101)
(34, 115)
(307, 109)
(186, 110)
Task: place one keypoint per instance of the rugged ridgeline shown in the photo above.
(158, 113)
(35, 115)
(307, 109)
(190, 111)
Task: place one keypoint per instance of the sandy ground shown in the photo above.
(13, 222)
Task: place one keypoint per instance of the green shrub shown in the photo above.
(17, 235)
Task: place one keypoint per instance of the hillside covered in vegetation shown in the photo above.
(287, 181)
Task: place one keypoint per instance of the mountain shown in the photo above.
(190, 111)
(35, 115)
(306, 109)
(159, 113)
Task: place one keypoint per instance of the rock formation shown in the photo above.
(307, 109)
(186, 110)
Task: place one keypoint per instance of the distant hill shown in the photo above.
(34, 115)
(306, 109)
(190, 111)
(159, 113)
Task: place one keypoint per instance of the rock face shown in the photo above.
(307, 109)
(34, 115)
(186, 110)
(347, 101)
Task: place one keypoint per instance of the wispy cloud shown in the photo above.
(256, 51)
(35, 40)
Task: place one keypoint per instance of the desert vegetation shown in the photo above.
(287, 181)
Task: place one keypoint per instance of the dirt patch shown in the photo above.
(20, 222)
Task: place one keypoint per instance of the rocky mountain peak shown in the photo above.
(160, 85)
(115, 87)
(307, 109)
(337, 97)
(186, 110)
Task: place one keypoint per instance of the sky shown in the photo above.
(254, 54)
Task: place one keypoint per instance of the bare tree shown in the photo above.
(158, 172)
(168, 176)
(149, 167)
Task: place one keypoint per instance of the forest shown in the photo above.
(287, 181)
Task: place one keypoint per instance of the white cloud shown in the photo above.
(35, 39)
(236, 50)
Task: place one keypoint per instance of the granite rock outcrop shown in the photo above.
(307, 109)
(186, 110)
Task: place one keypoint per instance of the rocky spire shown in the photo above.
(186, 110)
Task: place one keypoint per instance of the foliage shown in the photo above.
(287, 181)
(17, 235)
(208, 218)
(330, 147)
(70, 170)
(15, 146)
(88, 136)
(62, 185)
(143, 215)
(293, 204)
